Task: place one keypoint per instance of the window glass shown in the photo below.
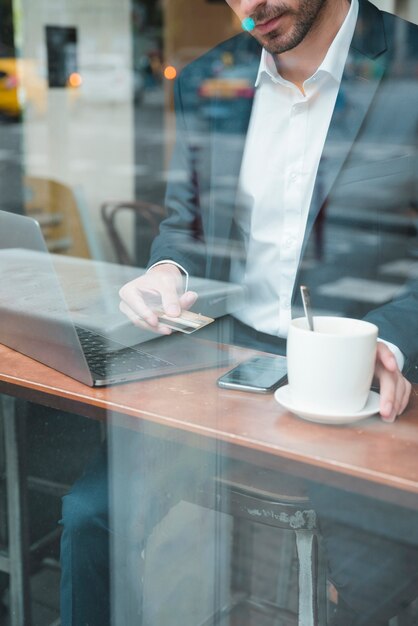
(172, 172)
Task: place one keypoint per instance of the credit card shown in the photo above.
(188, 322)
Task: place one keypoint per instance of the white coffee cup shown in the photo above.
(330, 369)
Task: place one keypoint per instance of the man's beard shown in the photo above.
(278, 41)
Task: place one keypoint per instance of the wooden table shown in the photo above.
(369, 457)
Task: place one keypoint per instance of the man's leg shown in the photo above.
(85, 549)
(121, 501)
(372, 553)
(376, 578)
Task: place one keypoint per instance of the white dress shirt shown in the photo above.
(285, 140)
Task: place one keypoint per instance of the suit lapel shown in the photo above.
(363, 72)
(228, 135)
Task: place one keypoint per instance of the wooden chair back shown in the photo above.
(148, 217)
(55, 207)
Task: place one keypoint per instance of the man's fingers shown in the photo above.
(142, 297)
(386, 357)
(395, 391)
(126, 310)
(144, 294)
(406, 395)
(132, 294)
(166, 280)
(188, 299)
(170, 300)
(390, 380)
(140, 323)
(164, 287)
(387, 395)
(402, 394)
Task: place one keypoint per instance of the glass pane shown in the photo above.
(172, 173)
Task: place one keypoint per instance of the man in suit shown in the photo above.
(331, 126)
(224, 159)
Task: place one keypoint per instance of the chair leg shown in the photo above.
(285, 558)
(321, 582)
(243, 548)
(18, 559)
(307, 578)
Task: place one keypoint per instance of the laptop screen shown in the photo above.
(34, 315)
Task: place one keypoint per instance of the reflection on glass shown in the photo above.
(169, 175)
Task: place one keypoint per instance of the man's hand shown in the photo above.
(394, 388)
(159, 288)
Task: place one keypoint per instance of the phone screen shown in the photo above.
(261, 373)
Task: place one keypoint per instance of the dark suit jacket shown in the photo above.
(366, 184)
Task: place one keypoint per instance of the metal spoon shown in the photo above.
(306, 301)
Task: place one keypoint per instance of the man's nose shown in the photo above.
(249, 6)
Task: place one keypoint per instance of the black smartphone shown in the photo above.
(261, 374)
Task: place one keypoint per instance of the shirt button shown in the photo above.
(293, 176)
(289, 242)
(286, 303)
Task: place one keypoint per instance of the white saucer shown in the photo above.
(283, 397)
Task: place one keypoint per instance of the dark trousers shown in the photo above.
(85, 589)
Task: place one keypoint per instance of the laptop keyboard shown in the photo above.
(105, 357)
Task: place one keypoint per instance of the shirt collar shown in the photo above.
(334, 61)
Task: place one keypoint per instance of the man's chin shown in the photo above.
(277, 43)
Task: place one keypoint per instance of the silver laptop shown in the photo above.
(64, 312)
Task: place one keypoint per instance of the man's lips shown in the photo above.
(266, 27)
